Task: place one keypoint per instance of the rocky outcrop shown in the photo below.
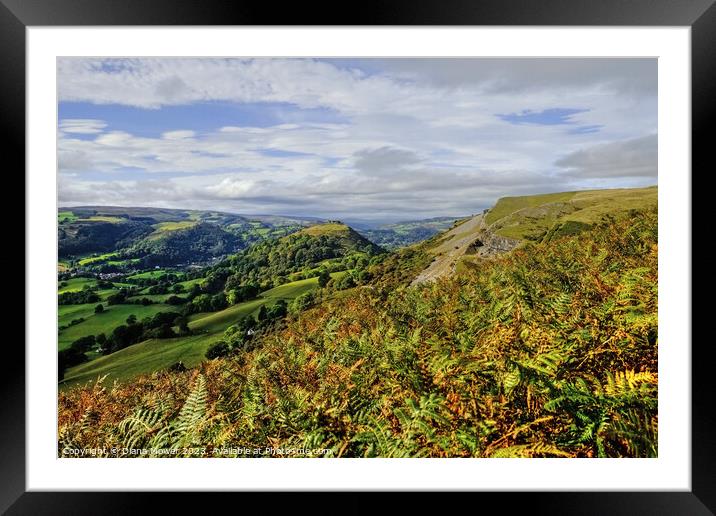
(473, 238)
(488, 244)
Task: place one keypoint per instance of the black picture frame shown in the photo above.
(700, 15)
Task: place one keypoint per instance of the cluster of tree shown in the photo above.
(302, 302)
(159, 326)
(166, 288)
(72, 323)
(144, 301)
(243, 335)
(78, 297)
(75, 354)
(89, 294)
(165, 280)
(199, 243)
(72, 356)
(206, 303)
(269, 263)
(85, 237)
(217, 291)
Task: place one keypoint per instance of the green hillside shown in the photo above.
(105, 322)
(535, 217)
(283, 268)
(547, 351)
(331, 247)
(158, 354)
(219, 321)
(143, 358)
(343, 235)
(108, 239)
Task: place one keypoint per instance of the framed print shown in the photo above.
(444, 248)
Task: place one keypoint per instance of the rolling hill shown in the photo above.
(158, 354)
(546, 351)
(514, 221)
(330, 246)
(111, 239)
(341, 235)
(212, 299)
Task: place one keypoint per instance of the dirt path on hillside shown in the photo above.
(455, 245)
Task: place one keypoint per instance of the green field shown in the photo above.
(164, 227)
(129, 261)
(148, 274)
(190, 283)
(102, 218)
(93, 259)
(150, 355)
(76, 284)
(66, 216)
(105, 322)
(120, 284)
(218, 321)
(153, 355)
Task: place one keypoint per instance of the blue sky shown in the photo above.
(362, 139)
(201, 117)
(551, 116)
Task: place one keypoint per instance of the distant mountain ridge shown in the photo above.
(162, 236)
(401, 234)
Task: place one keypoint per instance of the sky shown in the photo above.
(377, 140)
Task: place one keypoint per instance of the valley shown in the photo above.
(298, 312)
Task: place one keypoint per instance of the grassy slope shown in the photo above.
(105, 322)
(507, 205)
(67, 216)
(548, 351)
(162, 228)
(190, 283)
(147, 356)
(101, 218)
(154, 354)
(173, 226)
(99, 258)
(531, 217)
(76, 284)
(148, 274)
(324, 229)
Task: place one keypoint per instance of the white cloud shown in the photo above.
(82, 126)
(178, 135)
(630, 158)
(407, 138)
